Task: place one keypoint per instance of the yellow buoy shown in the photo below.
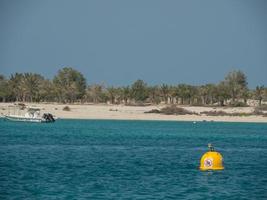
(211, 160)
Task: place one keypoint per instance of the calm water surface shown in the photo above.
(94, 159)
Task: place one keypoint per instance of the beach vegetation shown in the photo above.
(69, 86)
(66, 108)
(153, 111)
(172, 110)
(4, 89)
(139, 91)
(259, 93)
(236, 81)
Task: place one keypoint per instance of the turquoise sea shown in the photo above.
(105, 159)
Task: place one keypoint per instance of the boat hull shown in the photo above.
(26, 119)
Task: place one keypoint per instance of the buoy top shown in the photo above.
(211, 160)
(211, 148)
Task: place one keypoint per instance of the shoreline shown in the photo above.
(122, 112)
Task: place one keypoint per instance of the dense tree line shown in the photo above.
(69, 86)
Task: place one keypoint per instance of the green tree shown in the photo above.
(47, 91)
(237, 83)
(164, 90)
(194, 95)
(112, 94)
(207, 93)
(69, 84)
(31, 84)
(259, 93)
(154, 94)
(96, 93)
(4, 90)
(180, 92)
(185, 92)
(172, 94)
(126, 94)
(222, 93)
(139, 91)
(265, 94)
(15, 84)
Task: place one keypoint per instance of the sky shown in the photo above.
(116, 42)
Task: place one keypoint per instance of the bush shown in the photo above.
(66, 108)
(153, 111)
(238, 104)
(173, 110)
(222, 113)
(214, 113)
(113, 109)
(243, 114)
(22, 106)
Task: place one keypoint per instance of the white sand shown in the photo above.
(121, 112)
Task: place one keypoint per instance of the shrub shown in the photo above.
(153, 111)
(238, 104)
(215, 113)
(222, 113)
(113, 109)
(243, 114)
(173, 110)
(66, 108)
(22, 106)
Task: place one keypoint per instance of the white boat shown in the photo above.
(31, 115)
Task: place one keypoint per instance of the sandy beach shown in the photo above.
(122, 112)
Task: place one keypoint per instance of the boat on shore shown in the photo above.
(31, 115)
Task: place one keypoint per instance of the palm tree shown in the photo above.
(70, 84)
(139, 91)
(185, 93)
(154, 94)
(203, 91)
(95, 93)
(172, 94)
(237, 83)
(208, 93)
(4, 90)
(222, 93)
(164, 88)
(112, 94)
(31, 86)
(47, 91)
(259, 93)
(125, 94)
(16, 86)
(179, 93)
(194, 93)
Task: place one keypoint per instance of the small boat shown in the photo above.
(31, 115)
